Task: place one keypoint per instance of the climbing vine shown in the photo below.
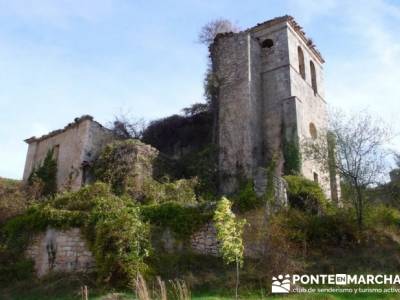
(182, 220)
(292, 157)
(45, 176)
(113, 227)
(270, 188)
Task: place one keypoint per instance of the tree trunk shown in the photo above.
(360, 208)
(237, 280)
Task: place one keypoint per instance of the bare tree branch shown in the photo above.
(210, 30)
(360, 157)
(127, 128)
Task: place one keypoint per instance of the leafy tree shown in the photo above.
(46, 175)
(359, 155)
(229, 234)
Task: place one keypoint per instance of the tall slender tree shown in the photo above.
(229, 234)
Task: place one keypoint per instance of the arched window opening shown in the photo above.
(268, 43)
(313, 78)
(313, 131)
(316, 179)
(302, 69)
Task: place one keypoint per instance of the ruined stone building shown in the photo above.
(74, 148)
(270, 97)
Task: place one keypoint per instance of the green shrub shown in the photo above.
(305, 194)
(20, 270)
(180, 191)
(382, 215)
(335, 228)
(182, 220)
(246, 198)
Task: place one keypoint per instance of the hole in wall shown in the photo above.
(313, 131)
(268, 43)
(316, 179)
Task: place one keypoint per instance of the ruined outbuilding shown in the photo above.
(74, 149)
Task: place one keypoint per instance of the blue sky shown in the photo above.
(65, 58)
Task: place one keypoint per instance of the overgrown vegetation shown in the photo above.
(305, 194)
(43, 179)
(182, 220)
(123, 166)
(141, 172)
(13, 200)
(201, 164)
(177, 135)
(359, 156)
(116, 234)
(246, 198)
(292, 157)
(180, 191)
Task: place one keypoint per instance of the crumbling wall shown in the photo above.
(235, 63)
(60, 250)
(75, 146)
(205, 242)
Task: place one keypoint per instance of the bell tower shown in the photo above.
(270, 97)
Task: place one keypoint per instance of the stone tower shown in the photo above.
(270, 97)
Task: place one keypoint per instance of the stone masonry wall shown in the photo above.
(205, 241)
(238, 128)
(60, 250)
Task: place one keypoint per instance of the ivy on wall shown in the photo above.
(182, 220)
(112, 226)
(292, 157)
(45, 176)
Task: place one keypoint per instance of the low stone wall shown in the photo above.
(205, 241)
(60, 250)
